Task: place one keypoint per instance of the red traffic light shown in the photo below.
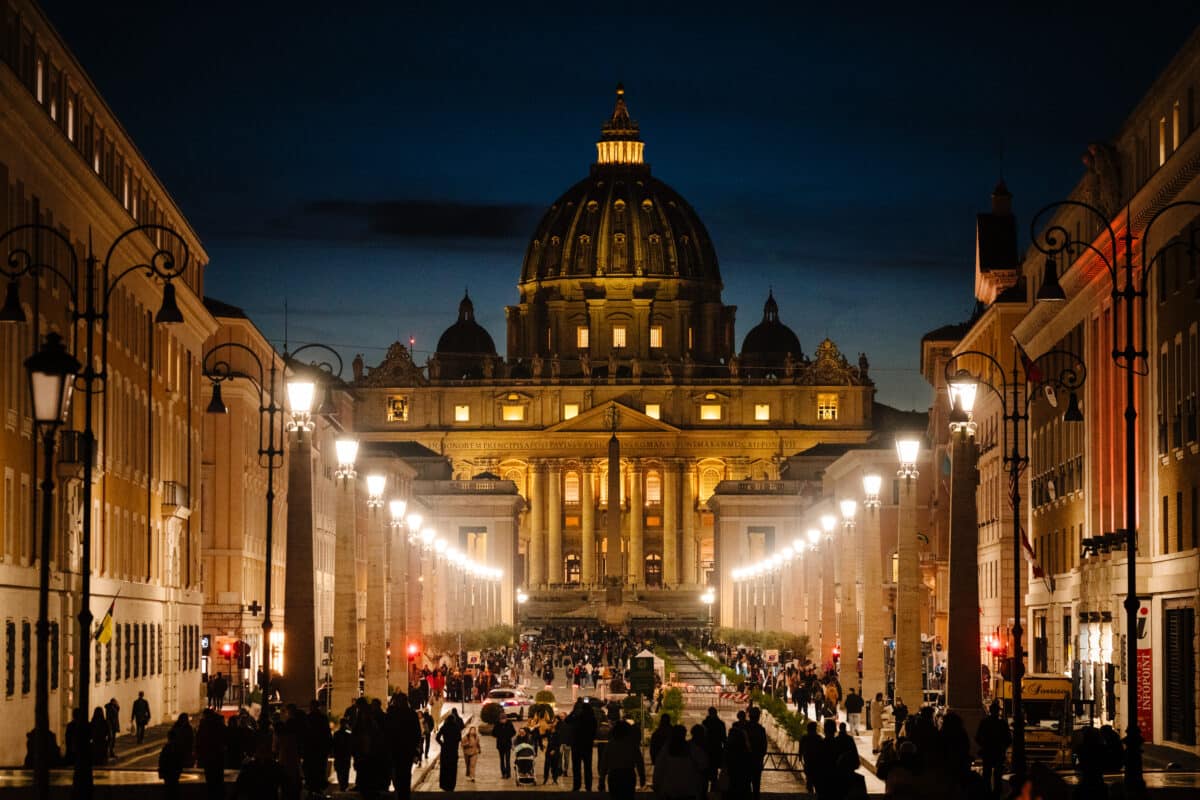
(993, 645)
(227, 648)
(412, 650)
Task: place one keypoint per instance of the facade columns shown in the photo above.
(670, 551)
(375, 667)
(555, 572)
(851, 591)
(587, 502)
(875, 612)
(637, 521)
(908, 597)
(828, 600)
(397, 629)
(345, 600)
(687, 576)
(537, 523)
(812, 601)
(964, 694)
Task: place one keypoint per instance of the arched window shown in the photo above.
(709, 478)
(654, 570)
(574, 565)
(653, 489)
(571, 488)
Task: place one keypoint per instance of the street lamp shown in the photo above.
(300, 386)
(1129, 347)
(51, 372)
(375, 486)
(396, 509)
(91, 308)
(1056, 369)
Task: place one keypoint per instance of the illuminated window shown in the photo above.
(462, 413)
(656, 336)
(397, 408)
(827, 406)
(511, 413)
(691, 337)
(581, 337)
(571, 488)
(709, 478)
(762, 412)
(41, 80)
(1175, 127)
(1162, 140)
(71, 119)
(570, 410)
(710, 411)
(618, 336)
(653, 410)
(653, 489)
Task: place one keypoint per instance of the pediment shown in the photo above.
(599, 420)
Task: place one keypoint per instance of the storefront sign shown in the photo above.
(1145, 671)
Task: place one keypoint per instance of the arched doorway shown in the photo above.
(654, 570)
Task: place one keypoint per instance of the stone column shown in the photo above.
(774, 606)
(555, 572)
(637, 521)
(537, 517)
(612, 533)
(299, 680)
(828, 599)
(875, 612)
(686, 571)
(375, 669)
(812, 602)
(587, 503)
(964, 693)
(908, 598)
(851, 591)
(670, 524)
(397, 623)
(345, 600)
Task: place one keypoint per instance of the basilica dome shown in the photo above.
(769, 343)
(620, 221)
(465, 347)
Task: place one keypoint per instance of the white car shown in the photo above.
(513, 701)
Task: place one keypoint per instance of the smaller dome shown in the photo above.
(466, 337)
(770, 342)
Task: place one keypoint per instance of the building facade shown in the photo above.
(65, 161)
(620, 330)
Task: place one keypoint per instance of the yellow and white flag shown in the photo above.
(104, 632)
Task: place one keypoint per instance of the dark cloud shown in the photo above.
(416, 219)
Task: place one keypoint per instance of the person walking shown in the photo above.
(315, 746)
(854, 707)
(505, 732)
(660, 737)
(112, 713)
(449, 736)
(343, 751)
(101, 733)
(470, 752)
(403, 727)
(675, 776)
(899, 714)
(993, 738)
(210, 752)
(714, 743)
(756, 735)
(583, 737)
(141, 715)
(426, 733)
(170, 764)
(876, 720)
(621, 764)
(552, 765)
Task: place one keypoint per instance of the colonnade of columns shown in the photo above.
(675, 510)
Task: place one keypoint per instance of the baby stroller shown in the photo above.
(524, 757)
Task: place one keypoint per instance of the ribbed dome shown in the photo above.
(620, 221)
(768, 343)
(466, 337)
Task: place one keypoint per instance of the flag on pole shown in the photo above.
(104, 631)
(1033, 373)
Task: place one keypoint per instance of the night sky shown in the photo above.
(368, 163)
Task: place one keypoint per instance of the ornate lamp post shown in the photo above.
(1057, 369)
(301, 388)
(51, 371)
(1129, 295)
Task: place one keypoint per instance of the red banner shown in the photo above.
(1145, 672)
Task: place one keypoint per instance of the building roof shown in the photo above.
(948, 333)
(220, 308)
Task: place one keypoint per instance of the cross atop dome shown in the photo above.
(620, 142)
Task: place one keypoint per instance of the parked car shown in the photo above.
(513, 701)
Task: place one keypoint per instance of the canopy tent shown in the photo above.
(659, 664)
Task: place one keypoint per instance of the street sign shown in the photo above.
(473, 658)
(641, 675)
(771, 656)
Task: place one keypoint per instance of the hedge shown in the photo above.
(793, 723)
(544, 696)
(673, 704)
(491, 713)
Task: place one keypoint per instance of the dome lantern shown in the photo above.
(620, 142)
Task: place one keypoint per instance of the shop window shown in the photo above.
(827, 406)
(656, 336)
(570, 410)
(762, 412)
(397, 408)
(653, 411)
(462, 413)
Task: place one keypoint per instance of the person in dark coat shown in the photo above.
(993, 738)
(316, 743)
(112, 713)
(210, 752)
(343, 751)
(170, 764)
(233, 744)
(756, 735)
(583, 736)
(505, 732)
(101, 733)
(714, 744)
(78, 735)
(737, 765)
(403, 728)
(141, 715)
(660, 737)
(449, 736)
(261, 778)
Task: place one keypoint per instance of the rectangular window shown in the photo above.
(827, 406)
(462, 413)
(656, 336)
(1195, 511)
(570, 410)
(1162, 140)
(135, 643)
(691, 337)
(710, 412)
(10, 658)
(653, 411)
(1179, 521)
(762, 412)
(581, 337)
(618, 339)
(26, 655)
(1175, 127)
(1166, 524)
(397, 408)
(571, 488)
(512, 413)
(653, 489)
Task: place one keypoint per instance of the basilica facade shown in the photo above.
(622, 400)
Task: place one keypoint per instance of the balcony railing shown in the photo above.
(174, 494)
